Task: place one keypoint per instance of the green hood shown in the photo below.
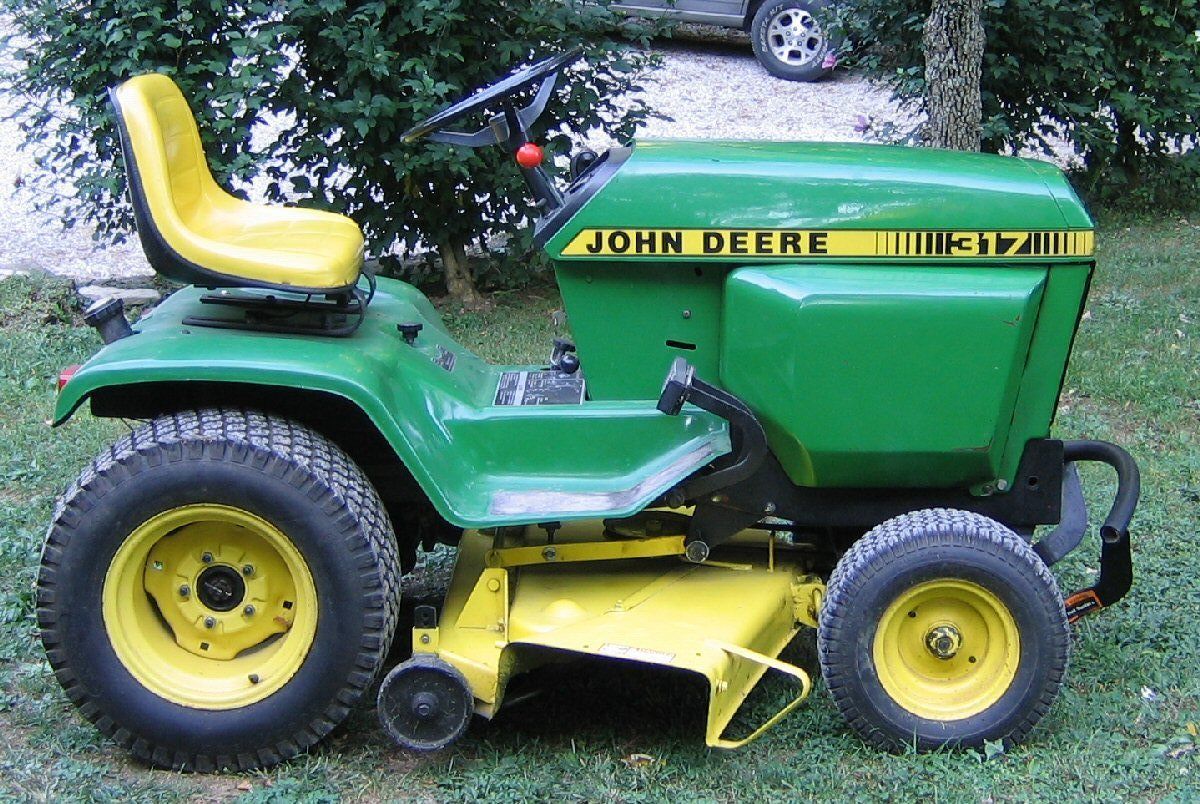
(676, 187)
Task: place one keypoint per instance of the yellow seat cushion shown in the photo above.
(215, 238)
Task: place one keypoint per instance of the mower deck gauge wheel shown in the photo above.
(425, 704)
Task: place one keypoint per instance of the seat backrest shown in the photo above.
(164, 160)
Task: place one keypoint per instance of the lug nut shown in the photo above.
(210, 622)
(206, 558)
(248, 570)
(248, 611)
(185, 590)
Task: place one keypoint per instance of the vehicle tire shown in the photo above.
(942, 628)
(218, 589)
(788, 41)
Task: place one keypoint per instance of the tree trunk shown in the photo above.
(458, 275)
(953, 63)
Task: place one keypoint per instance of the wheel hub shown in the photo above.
(943, 641)
(794, 37)
(209, 606)
(946, 649)
(425, 705)
(221, 588)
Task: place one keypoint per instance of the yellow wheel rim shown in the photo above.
(210, 606)
(946, 649)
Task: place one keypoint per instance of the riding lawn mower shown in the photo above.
(810, 389)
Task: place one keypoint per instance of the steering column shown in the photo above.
(510, 127)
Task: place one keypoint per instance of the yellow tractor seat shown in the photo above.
(195, 232)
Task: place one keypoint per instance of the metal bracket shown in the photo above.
(719, 716)
(571, 552)
(487, 607)
(808, 593)
(425, 631)
(1069, 532)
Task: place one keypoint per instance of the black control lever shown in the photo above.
(749, 439)
(563, 358)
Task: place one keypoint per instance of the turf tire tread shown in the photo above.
(281, 448)
(906, 534)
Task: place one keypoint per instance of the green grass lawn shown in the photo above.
(1124, 727)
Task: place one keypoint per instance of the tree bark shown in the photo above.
(458, 275)
(954, 43)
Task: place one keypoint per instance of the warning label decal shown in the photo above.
(635, 654)
(836, 243)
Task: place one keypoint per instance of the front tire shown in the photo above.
(218, 589)
(942, 628)
(788, 39)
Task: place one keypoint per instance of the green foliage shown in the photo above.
(341, 78)
(1118, 78)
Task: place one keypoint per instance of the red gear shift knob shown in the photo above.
(529, 155)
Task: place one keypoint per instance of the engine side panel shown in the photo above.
(882, 376)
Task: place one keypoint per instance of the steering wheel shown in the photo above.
(545, 70)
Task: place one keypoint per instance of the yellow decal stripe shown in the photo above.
(828, 243)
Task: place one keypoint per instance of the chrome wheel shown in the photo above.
(794, 37)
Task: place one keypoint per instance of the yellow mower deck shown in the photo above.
(513, 593)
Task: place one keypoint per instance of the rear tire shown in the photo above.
(788, 40)
(218, 590)
(942, 628)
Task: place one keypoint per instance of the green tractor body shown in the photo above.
(811, 385)
(480, 464)
(924, 359)
(894, 317)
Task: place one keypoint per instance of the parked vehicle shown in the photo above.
(812, 388)
(787, 35)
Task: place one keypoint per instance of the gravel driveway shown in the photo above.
(710, 88)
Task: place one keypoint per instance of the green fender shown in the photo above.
(481, 465)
